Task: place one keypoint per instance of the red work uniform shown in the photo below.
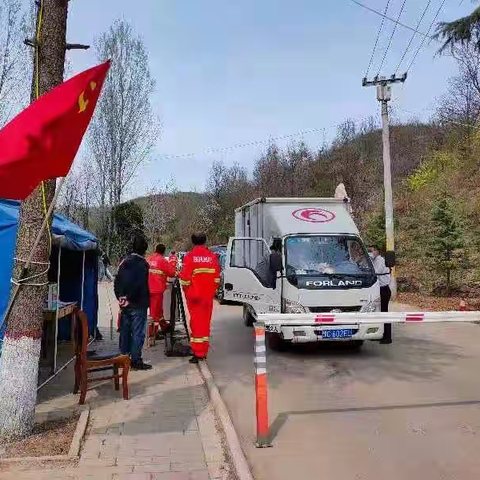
(200, 278)
(160, 270)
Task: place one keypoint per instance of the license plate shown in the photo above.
(335, 334)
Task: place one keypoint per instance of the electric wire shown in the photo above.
(413, 36)
(376, 39)
(391, 36)
(408, 27)
(254, 143)
(422, 43)
(37, 95)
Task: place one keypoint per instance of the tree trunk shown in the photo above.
(449, 282)
(21, 347)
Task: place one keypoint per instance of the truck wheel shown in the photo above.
(221, 296)
(276, 342)
(248, 319)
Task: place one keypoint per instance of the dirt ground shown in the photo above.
(49, 438)
(429, 303)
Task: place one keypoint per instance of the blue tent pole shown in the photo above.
(83, 282)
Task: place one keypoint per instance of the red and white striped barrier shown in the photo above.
(297, 319)
(261, 387)
(269, 322)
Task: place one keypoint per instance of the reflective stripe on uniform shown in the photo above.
(157, 272)
(185, 282)
(199, 339)
(204, 270)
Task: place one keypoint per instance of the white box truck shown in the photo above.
(301, 255)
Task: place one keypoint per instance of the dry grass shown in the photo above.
(48, 438)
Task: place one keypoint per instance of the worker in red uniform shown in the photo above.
(200, 278)
(173, 259)
(160, 270)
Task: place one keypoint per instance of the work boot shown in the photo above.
(387, 335)
(195, 359)
(141, 365)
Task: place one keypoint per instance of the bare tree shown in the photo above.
(461, 104)
(227, 188)
(124, 129)
(12, 60)
(77, 195)
(158, 211)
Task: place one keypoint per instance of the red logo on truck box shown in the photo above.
(314, 215)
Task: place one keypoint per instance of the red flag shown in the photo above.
(41, 142)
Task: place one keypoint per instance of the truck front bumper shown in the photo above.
(309, 333)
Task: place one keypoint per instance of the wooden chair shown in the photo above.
(89, 362)
(151, 333)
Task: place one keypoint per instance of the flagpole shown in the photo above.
(32, 251)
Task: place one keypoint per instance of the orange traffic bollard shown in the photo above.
(261, 396)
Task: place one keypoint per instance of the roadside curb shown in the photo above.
(239, 460)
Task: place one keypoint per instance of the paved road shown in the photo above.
(409, 410)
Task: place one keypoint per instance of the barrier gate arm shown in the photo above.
(306, 319)
(269, 322)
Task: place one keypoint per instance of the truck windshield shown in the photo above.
(326, 255)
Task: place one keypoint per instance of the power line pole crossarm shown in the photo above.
(384, 96)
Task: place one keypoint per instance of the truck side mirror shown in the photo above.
(390, 259)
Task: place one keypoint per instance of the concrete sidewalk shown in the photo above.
(166, 431)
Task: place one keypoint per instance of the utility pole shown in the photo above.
(384, 96)
(22, 340)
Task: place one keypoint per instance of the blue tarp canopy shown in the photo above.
(82, 247)
(66, 233)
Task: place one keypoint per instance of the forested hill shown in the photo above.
(435, 174)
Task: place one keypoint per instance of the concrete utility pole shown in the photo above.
(384, 96)
(21, 345)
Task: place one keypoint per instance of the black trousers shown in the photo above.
(385, 296)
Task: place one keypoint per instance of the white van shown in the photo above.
(324, 267)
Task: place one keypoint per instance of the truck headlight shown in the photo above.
(369, 307)
(294, 307)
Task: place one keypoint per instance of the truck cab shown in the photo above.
(302, 255)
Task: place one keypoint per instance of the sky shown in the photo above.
(233, 72)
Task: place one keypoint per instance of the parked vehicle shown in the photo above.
(323, 267)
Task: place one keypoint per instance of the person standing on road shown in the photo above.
(200, 278)
(106, 263)
(275, 262)
(131, 290)
(173, 259)
(160, 270)
(383, 275)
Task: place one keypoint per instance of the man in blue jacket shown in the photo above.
(131, 290)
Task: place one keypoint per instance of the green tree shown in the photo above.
(375, 231)
(447, 240)
(461, 31)
(129, 223)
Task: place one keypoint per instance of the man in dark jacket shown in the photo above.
(275, 263)
(131, 290)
